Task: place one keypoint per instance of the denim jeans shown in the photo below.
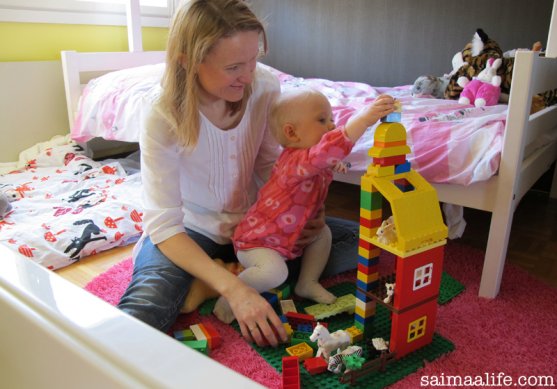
(158, 287)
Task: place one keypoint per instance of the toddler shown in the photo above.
(269, 234)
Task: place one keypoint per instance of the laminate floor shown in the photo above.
(533, 240)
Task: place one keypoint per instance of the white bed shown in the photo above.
(518, 136)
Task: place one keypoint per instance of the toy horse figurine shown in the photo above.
(327, 342)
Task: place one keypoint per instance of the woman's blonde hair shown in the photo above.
(196, 27)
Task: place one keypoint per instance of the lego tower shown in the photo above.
(418, 240)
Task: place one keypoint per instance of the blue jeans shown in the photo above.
(158, 287)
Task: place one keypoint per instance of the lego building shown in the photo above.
(415, 234)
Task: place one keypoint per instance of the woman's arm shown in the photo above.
(250, 309)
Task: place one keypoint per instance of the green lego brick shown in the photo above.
(371, 200)
(450, 288)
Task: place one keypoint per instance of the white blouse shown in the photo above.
(207, 189)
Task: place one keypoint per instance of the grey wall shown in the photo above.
(390, 42)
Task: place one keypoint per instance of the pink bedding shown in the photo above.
(451, 142)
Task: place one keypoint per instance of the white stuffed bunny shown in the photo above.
(485, 88)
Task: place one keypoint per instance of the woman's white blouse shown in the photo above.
(207, 189)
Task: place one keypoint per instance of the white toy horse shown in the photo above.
(329, 342)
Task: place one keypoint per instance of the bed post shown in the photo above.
(133, 17)
(506, 195)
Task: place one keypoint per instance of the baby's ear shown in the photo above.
(290, 134)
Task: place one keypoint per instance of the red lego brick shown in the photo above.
(290, 372)
(315, 365)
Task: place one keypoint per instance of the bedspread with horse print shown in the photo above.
(69, 206)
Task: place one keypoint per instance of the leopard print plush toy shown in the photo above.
(475, 55)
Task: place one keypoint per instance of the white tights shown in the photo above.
(266, 269)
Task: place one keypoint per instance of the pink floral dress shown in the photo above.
(294, 194)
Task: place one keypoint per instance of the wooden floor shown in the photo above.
(533, 242)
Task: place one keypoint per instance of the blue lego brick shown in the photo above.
(403, 168)
(362, 296)
(367, 287)
(393, 117)
(270, 297)
(368, 262)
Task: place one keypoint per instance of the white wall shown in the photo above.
(32, 105)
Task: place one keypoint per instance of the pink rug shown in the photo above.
(510, 337)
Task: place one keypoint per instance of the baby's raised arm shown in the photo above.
(368, 116)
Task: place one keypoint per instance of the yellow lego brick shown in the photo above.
(365, 307)
(366, 184)
(365, 314)
(380, 171)
(363, 252)
(356, 335)
(384, 152)
(288, 329)
(301, 350)
(367, 278)
(389, 132)
(417, 214)
(371, 214)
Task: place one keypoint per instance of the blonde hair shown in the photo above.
(196, 27)
(286, 108)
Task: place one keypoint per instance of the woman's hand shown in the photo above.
(312, 228)
(257, 318)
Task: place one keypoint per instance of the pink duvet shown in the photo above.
(451, 142)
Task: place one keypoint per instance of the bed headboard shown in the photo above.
(78, 68)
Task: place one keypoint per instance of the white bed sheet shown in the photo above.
(70, 206)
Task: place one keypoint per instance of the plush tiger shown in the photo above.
(475, 55)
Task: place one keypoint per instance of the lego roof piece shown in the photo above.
(417, 215)
(389, 141)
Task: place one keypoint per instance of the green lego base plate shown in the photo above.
(394, 372)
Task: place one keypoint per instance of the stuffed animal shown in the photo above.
(5, 205)
(430, 86)
(200, 292)
(473, 58)
(485, 88)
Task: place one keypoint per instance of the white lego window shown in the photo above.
(422, 276)
(416, 329)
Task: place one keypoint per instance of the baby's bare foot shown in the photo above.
(314, 291)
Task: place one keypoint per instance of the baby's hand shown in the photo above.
(382, 106)
(368, 116)
(341, 167)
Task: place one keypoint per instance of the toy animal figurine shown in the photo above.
(390, 292)
(327, 342)
(485, 88)
(386, 233)
(337, 361)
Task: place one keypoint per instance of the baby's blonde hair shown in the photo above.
(285, 109)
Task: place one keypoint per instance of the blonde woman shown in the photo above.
(205, 152)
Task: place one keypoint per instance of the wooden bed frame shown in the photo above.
(521, 163)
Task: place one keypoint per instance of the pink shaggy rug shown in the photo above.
(512, 336)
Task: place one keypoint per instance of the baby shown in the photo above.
(269, 234)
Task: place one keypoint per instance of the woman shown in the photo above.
(205, 152)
